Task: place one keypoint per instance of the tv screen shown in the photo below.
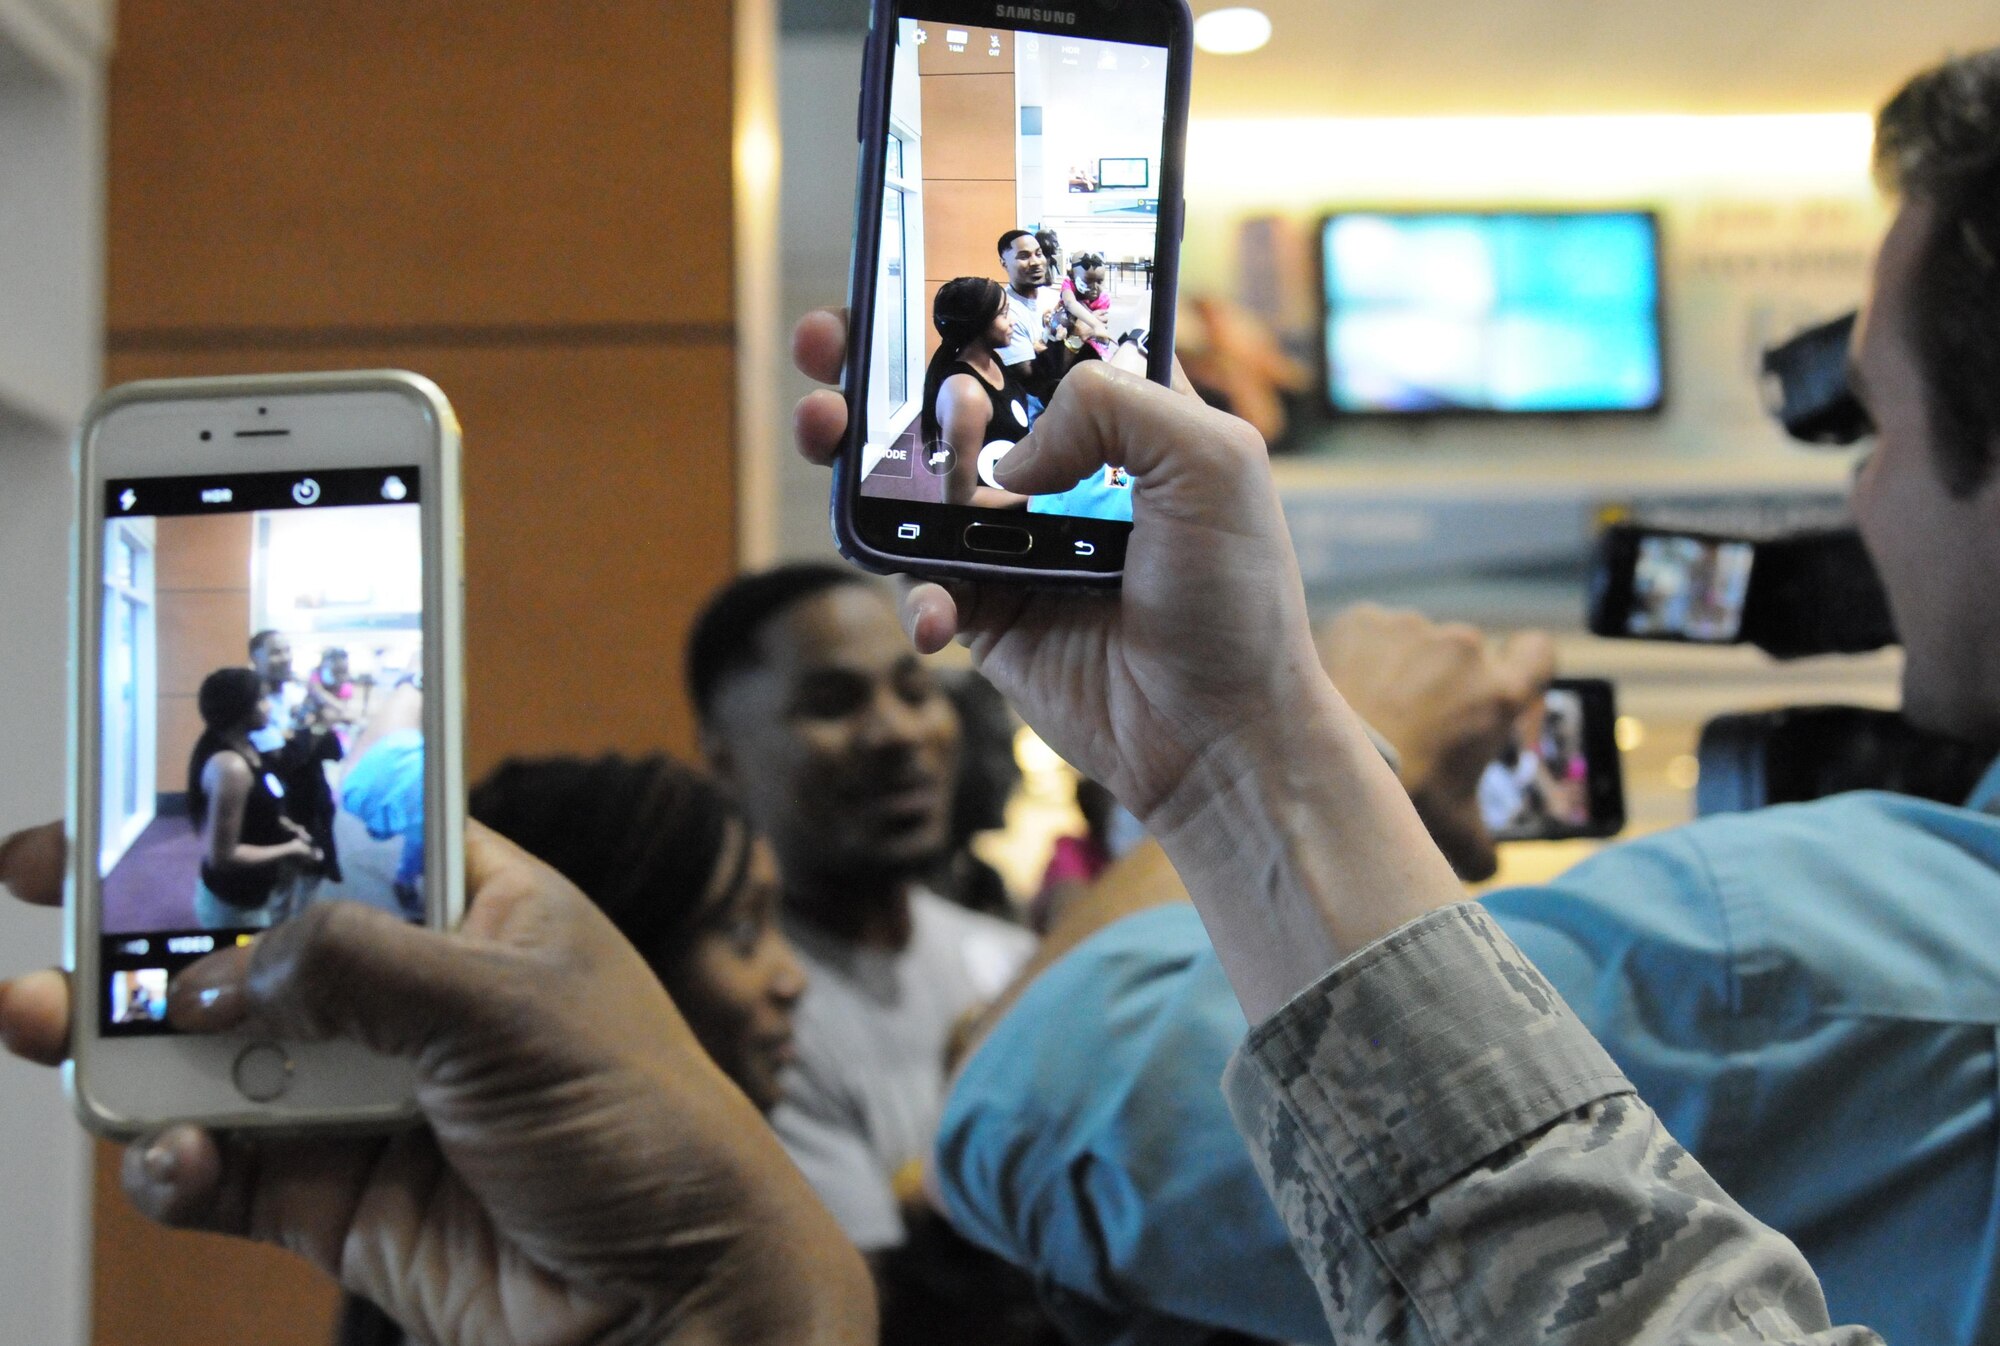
(1430, 312)
(1124, 174)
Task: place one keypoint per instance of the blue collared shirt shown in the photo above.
(1809, 996)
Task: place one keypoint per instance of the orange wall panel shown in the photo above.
(456, 162)
(203, 553)
(156, 1288)
(534, 205)
(963, 222)
(936, 57)
(969, 129)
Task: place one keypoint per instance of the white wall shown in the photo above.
(51, 321)
(818, 88)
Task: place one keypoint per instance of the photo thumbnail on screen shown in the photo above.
(1689, 587)
(1020, 222)
(260, 735)
(1540, 785)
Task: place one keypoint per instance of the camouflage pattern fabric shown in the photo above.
(1459, 1161)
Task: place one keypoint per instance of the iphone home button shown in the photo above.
(263, 1073)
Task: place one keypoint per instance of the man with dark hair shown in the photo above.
(1028, 300)
(843, 750)
(295, 751)
(1808, 996)
(284, 695)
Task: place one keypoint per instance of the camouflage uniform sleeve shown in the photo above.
(1458, 1160)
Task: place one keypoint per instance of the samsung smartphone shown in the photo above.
(266, 655)
(1561, 776)
(1806, 593)
(1019, 214)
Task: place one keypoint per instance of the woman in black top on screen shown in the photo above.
(254, 860)
(970, 398)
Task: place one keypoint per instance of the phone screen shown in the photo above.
(1020, 224)
(1560, 775)
(260, 732)
(1689, 588)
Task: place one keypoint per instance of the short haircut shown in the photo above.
(724, 640)
(1007, 240)
(1938, 141)
(260, 640)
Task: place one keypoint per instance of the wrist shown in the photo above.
(1299, 845)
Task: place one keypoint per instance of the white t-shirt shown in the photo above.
(1029, 315)
(867, 1091)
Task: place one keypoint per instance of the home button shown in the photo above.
(995, 537)
(263, 1073)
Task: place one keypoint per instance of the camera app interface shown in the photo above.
(261, 727)
(1689, 587)
(1019, 226)
(1541, 785)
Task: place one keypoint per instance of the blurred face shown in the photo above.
(1091, 278)
(273, 661)
(840, 745)
(334, 671)
(1937, 554)
(738, 983)
(1026, 268)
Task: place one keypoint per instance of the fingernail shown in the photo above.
(208, 995)
(1014, 460)
(162, 1165)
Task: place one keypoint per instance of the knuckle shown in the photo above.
(314, 953)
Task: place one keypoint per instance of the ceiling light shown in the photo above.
(1232, 32)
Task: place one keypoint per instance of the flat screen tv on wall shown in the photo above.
(1508, 312)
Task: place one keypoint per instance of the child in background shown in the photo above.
(1088, 304)
(332, 699)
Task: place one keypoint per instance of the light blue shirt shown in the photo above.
(1104, 494)
(1809, 997)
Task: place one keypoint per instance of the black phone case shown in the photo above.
(873, 129)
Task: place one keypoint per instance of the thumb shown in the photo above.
(341, 970)
(1103, 416)
(1527, 659)
(349, 971)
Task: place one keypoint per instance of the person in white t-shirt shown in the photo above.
(842, 748)
(1029, 298)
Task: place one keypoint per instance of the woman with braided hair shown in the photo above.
(668, 858)
(971, 400)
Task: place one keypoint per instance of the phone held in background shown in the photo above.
(1018, 214)
(1805, 593)
(1561, 776)
(266, 639)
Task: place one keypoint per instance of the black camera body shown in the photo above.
(1802, 753)
(1793, 595)
(1809, 391)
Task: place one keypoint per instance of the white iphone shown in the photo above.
(265, 651)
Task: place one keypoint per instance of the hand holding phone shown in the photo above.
(971, 139)
(241, 541)
(540, 1193)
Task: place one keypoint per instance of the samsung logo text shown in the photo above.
(1026, 14)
